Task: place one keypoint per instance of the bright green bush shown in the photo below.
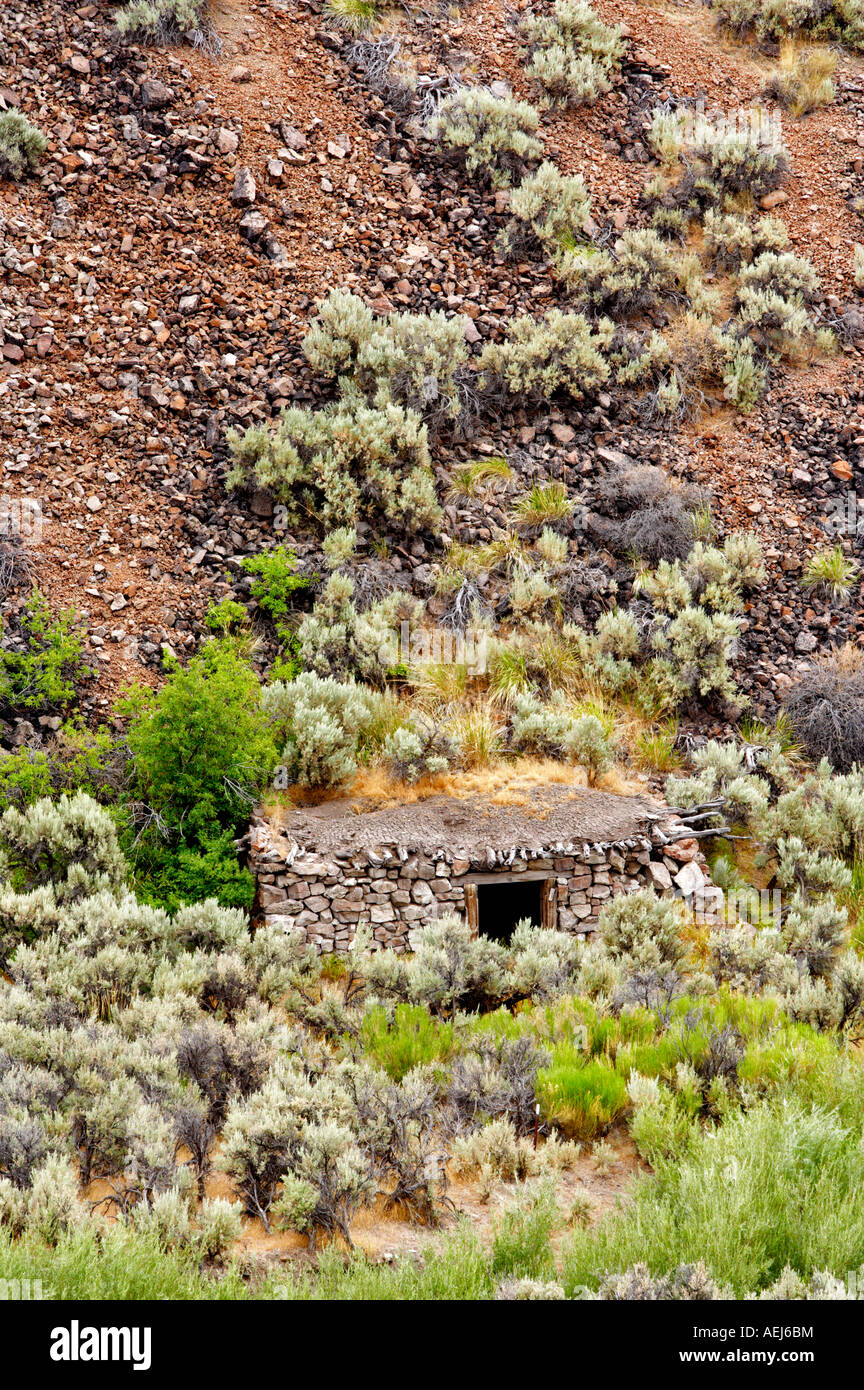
(277, 582)
(411, 1039)
(25, 776)
(117, 1263)
(201, 745)
(43, 668)
(172, 874)
(582, 1097)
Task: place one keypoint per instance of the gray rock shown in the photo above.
(690, 879)
(244, 192)
(293, 138)
(253, 225)
(227, 141)
(154, 94)
(660, 876)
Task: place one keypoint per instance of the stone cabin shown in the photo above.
(330, 867)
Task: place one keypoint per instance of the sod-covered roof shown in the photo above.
(555, 819)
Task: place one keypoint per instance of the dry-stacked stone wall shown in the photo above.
(394, 888)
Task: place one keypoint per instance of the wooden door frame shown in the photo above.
(548, 897)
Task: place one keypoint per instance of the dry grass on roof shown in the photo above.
(539, 805)
(502, 784)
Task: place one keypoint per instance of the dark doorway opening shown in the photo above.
(500, 906)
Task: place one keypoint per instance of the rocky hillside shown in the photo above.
(160, 270)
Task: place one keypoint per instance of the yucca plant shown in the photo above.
(831, 573)
(543, 502)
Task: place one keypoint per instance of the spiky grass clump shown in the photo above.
(780, 733)
(472, 479)
(657, 750)
(831, 573)
(479, 734)
(543, 502)
(357, 16)
(508, 674)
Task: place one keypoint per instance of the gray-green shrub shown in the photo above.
(22, 145)
(496, 136)
(347, 461)
(415, 360)
(573, 54)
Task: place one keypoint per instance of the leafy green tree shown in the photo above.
(172, 875)
(201, 745)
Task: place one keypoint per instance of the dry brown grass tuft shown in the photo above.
(804, 79)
